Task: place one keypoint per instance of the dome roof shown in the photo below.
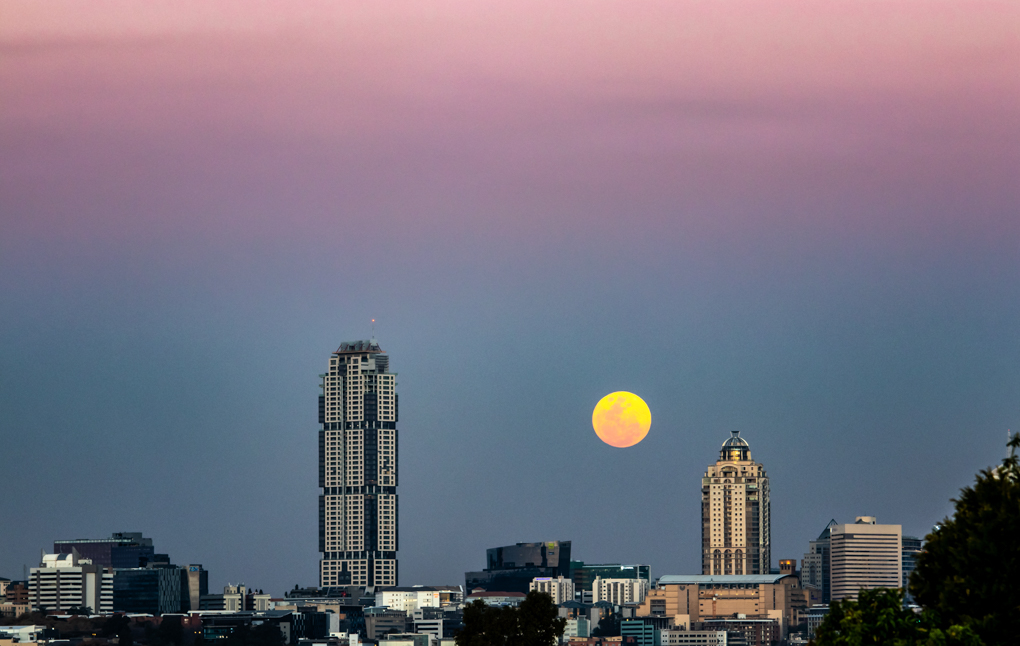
(735, 442)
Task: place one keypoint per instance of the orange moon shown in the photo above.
(621, 419)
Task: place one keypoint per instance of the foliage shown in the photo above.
(169, 632)
(608, 626)
(967, 578)
(265, 634)
(969, 571)
(78, 610)
(533, 623)
(879, 618)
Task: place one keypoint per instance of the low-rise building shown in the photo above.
(753, 632)
(619, 591)
(381, 621)
(409, 599)
(676, 637)
(65, 581)
(12, 635)
(498, 598)
(688, 599)
(577, 627)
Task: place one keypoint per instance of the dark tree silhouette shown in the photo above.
(533, 623)
(969, 570)
(965, 579)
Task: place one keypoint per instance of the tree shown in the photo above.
(969, 570)
(965, 579)
(533, 623)
(878, 617)
(608, 626)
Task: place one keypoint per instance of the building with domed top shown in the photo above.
(735, 534)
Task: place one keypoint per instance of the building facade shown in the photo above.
(560, 589)
(689, 599)
(912, 546)
(409, 599)
(814, 571)
(619, 591)
(512, 568)
(358, 468)
(121, 550)
(584, 574)
(64, 581)
(864, 555)
(735, 519)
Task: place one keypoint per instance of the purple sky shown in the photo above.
(794, 219)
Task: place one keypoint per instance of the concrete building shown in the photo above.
(358, 468)
(687, 600)
(675, 637)
(864, 555)
(409, 599)
(560, 589)
(735, 519)
(384, 621)
(513, 567)
(619, 591)
(496, 598)
(443, 623)
(576, 627)
(64, 581)
(814, 571)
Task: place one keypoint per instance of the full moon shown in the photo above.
(621, 419)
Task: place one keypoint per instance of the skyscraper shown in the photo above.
(358, 468)
(864, 555)
(735, 534)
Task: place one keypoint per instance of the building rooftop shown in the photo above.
(691, 579)
(735, 441)
(359, 346)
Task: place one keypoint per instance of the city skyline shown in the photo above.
(795, 221)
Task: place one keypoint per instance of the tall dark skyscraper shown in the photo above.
(358, 468)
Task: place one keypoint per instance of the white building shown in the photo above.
(560, 589)
(358, 468)
(735, 519)
(864, 555)
(409, 599)
(619, 591)
(64, 581)
(693, 637)
(22, 634)
(579, 627)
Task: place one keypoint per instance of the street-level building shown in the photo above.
(358, 468)
(735, 518)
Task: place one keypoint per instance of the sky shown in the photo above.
(798, 220)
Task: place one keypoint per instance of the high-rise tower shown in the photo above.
(358, 468)
(735, 535)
